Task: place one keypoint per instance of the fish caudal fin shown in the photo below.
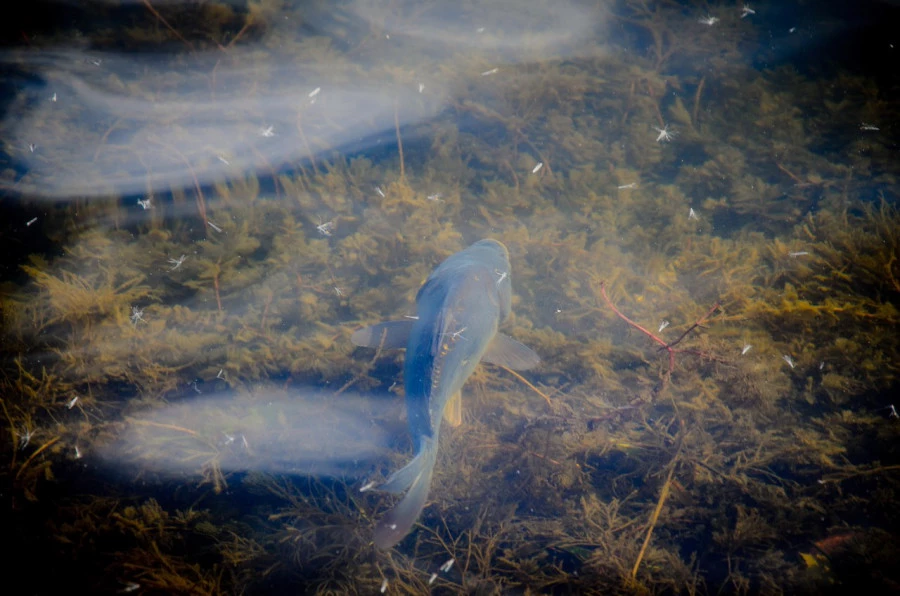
(399, 521)
(403, 478)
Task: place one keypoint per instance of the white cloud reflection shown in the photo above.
(296, 432)
(93, 127)
(99, 123)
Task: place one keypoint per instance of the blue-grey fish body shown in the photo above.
(459, 308)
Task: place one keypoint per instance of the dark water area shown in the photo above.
(200, 203)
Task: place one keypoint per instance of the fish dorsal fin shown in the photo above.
(505, 351)
(393, 334)
(453, 409)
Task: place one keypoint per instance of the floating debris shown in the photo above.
(326, 228)
(664, 134)
(176, 263)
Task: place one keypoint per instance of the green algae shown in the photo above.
(709, 475)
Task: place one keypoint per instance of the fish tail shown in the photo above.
(403, 478)
(417, 475)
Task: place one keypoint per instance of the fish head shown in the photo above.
(495, 256)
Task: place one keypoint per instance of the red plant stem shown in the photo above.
(668, 347)
(216, 286)
(629, 321)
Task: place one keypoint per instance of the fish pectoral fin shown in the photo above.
(390, 334)
(453, 409)
(505, 351)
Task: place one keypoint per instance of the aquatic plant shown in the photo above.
(664, 444)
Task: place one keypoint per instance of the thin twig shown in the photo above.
(663, 495)
(890, 272)
(696, 113)
(841, 476)
(399, 140)
(309, 151)
(696, 324)
(216, 286)
(160, 18)
(789, 173)
(201, 201)
(262, 325)
(41, 449)
(162, 425)
(240, 33)
(524, 380)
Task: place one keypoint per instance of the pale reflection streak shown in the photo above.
(305, 432)
(100, 130)
(107, 123)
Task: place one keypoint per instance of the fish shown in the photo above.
(459, 310)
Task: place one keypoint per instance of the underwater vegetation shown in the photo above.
(716, 311)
